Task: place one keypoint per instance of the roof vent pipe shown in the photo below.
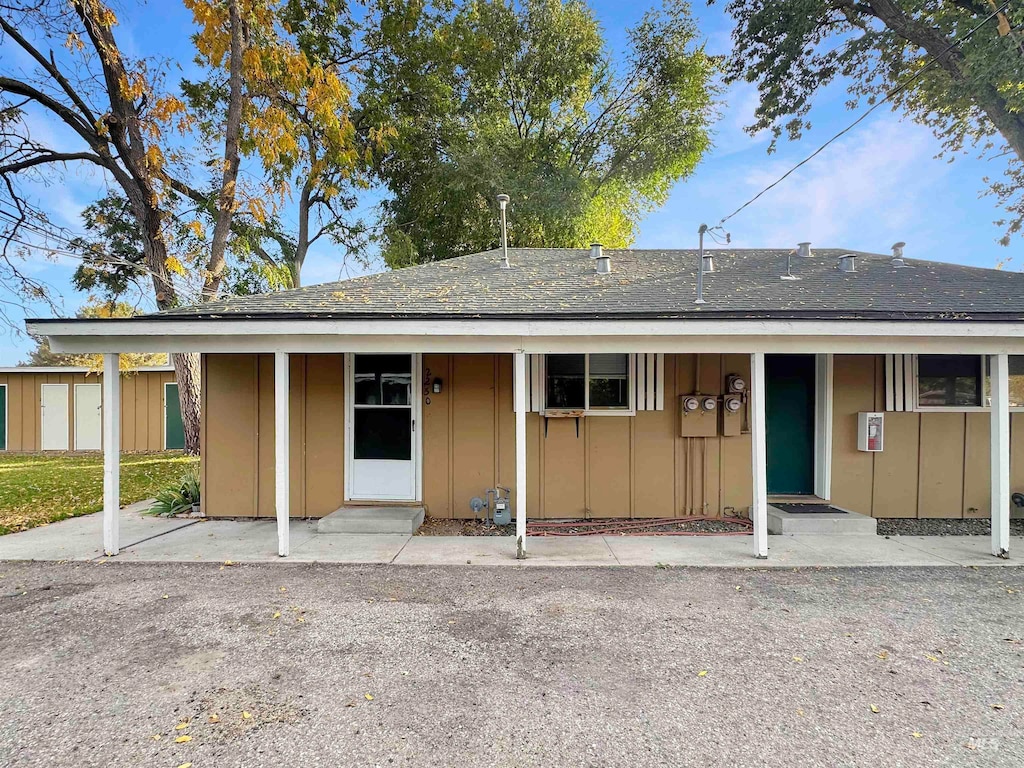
(502, 202)
(897, 256)
(848, 262)
(804, 250)
(604, 261)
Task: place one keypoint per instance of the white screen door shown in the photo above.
(382, 414)
(88, 417)
(54, 401)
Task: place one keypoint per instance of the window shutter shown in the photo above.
(649, 381)
(535, 377)
(899, 382)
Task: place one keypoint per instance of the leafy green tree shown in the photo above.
(525, 99)
(957, 66)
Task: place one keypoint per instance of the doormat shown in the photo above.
(809, 509)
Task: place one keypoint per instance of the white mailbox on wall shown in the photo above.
(870, 431)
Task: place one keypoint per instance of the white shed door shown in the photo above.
(88, 417)
(54, 399)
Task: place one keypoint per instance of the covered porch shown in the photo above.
(520, 343)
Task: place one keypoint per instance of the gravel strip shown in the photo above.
(307, 665)
(939, 526)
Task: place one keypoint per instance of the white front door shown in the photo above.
(88, 417)
(381, 427)
(54, 401)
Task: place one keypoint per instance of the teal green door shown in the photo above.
(174, 430)
(789, 384)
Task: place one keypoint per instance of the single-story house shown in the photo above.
(59, 408)
(598, 383)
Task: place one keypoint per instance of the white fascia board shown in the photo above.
(683, 343)
(529, 328)
(35, 369)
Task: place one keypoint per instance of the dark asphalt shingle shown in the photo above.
(563, 283)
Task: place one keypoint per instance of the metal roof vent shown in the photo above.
(848, 262)
(897, 256)
(789, 266)
(709, 264)
(604, 261)
(502, 202)
(804, 250)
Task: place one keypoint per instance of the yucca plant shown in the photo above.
(178, 498)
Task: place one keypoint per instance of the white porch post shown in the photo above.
(282, 475)
(758, 455)
(111, 452)
(519, 396)
(1000, 455)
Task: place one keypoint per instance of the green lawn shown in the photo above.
(36, 489)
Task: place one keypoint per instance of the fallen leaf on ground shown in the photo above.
(997, 706)
(368, 696)
(183, 740)
(797, 658)
(185, 765)
(156, 737)
(164, 597)
(180, 726)
(277, 615)
(917, 734)
(883, 655)
(246, 716)
(214, 718)
(702, 673)
(874, 708)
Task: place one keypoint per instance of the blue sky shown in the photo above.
(878, 184)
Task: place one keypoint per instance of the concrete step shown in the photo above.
(833, 523)
(372, 520)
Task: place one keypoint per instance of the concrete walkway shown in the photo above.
(154, 539)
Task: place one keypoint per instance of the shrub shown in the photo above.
(179, 497)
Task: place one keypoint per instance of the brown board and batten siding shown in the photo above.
(142, 407)
(604, 466)
(934, 464)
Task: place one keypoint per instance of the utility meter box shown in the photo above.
(698, 415)
(870, 432)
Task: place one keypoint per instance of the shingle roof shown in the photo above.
(562, 283)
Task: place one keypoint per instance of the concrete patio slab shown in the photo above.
(501, 550)
(854, 550)
(962, 550)
(691, 550)
(153, 539)
(218, 540)
(81, 538)
(349, 548)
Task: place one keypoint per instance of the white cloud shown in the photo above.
(863, 191)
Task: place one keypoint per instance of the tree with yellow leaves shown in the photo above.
(280, 97)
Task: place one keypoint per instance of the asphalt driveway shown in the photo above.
(305, 665)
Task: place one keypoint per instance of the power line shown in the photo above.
(888, 96)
